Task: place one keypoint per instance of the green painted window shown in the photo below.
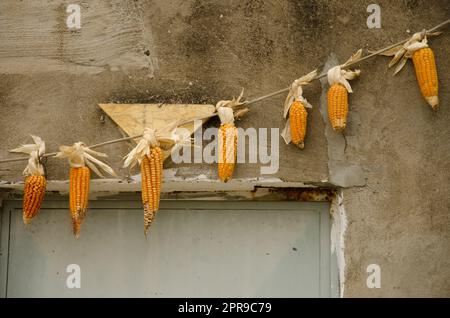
(194, 249)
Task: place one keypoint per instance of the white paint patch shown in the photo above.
(338, 229)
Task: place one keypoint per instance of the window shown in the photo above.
(194, 249)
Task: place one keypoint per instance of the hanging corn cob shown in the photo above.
(81, 158)
(426, 74)
(227, 138)
(148, 154)
(295, 105)
(337, 96)
(35, 182)
(227, 150)
(423, 59)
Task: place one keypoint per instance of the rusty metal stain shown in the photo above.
(257, 194)
(305, 194)
(260, 194)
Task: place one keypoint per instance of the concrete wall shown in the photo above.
(392, 162)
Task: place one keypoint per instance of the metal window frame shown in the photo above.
(328, 273)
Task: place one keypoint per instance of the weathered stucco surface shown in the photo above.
(395, 152)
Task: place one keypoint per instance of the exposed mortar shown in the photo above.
(338, 229)
(341, 172)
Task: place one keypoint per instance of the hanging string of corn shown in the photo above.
(81, 159)
(337, 96)
(389, 50)
(35, 182)
(295, 105)
(148, 153)
(227, 137)
(424, 64)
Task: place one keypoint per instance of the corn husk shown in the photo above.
(34, 166)
(165, 138)
(339, 75)
(80, 155)
(225, 108)
(405, 51)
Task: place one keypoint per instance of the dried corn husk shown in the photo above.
(405, 51)
(338, 75)
(80, 155)
(165, 138)
(34, 166)
(225, 109)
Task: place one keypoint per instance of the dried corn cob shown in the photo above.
(35, 182)
(78, 196)
(298, 121)
(426, 74)
(227, 138)
(337, 96)
(151, 171)
(81, 160)
(337, 106)
(227, 151)
(148, 153)
(424, 64)
(295, 105)
(33, 196)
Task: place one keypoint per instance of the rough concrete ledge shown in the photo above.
(198, 184)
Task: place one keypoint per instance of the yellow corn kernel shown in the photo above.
(151, 174)
(227, 151)
(426, 74)
(33, 196)
(338, 106)
(298, 121)
(78, 196)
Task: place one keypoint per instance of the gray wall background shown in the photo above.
(393, 160)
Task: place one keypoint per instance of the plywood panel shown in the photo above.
(133, 118)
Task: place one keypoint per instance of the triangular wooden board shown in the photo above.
(133, 118)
